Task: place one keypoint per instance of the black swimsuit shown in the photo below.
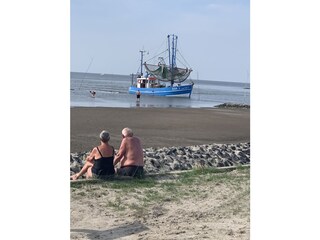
(103, 166)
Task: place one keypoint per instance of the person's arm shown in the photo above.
(91, 156)
(120, 153)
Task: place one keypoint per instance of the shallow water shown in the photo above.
(112, 91)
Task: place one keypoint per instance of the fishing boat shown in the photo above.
(163, 78)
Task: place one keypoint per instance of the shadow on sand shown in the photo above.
(114, 233)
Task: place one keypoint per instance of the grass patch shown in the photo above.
(116, 183)
(156, 189)
(116, 205)
(133, 183)
(205, 174)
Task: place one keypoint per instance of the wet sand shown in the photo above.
(159, 127)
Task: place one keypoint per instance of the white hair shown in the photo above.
(104, 136)
(127, 132)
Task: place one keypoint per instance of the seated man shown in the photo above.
(130, 155)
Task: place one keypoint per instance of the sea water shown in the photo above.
(112, 91)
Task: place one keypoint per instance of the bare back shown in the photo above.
(105, 150)
(130, 152)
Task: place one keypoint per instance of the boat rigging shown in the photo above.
(163, 72)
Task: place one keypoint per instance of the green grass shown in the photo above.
(183, 178)
(116, 205)
(153, 190)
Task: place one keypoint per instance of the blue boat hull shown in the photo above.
(164, 91)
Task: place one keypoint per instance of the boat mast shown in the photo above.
(169, 50)
(174, 50)
(172, 56)
(141, 63)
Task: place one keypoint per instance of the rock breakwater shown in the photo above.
(233, 105)
(166, 159)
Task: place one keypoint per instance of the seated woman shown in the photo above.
(99, 164)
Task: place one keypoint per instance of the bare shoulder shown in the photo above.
(94, 150)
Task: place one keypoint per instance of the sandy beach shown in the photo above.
(159, 127)
(171, 206)
(205, 206)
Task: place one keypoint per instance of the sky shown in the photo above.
(213, 35)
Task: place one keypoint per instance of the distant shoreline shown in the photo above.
(223, 105)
